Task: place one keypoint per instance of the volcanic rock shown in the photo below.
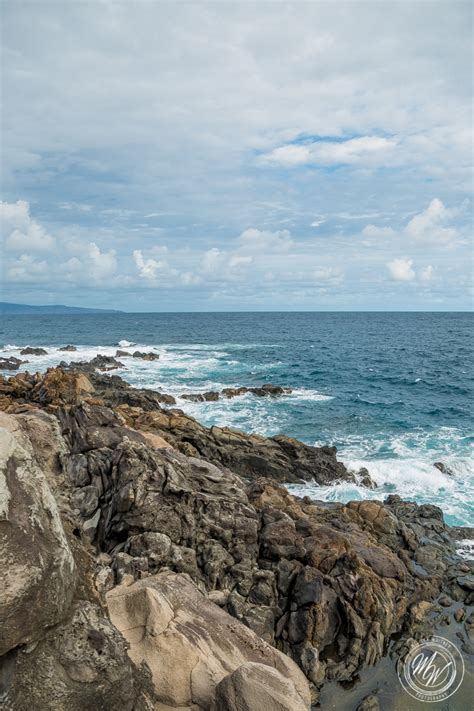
(165, 618)
(33, 351)
(11, 363)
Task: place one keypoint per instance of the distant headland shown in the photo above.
(6, 308)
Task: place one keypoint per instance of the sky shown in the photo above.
(195, 156)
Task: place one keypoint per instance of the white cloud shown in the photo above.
(429, 224)
(329, 276)
(401, 269)
(26, 269)
(238, 261)
(365, 150)
(426, 274)
(263, 240)
(212, 260)
(147, 268)
(101, 264)
(20, 232)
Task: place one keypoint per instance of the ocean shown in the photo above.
(392, 391)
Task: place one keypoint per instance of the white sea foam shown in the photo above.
(465, 548)
(126, 344)
(415, 479)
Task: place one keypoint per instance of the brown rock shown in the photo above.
(165, 618)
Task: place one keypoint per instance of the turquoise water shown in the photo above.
(393, 392)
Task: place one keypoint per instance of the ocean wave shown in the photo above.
(413, 479)
(126, 344)
(465, 548)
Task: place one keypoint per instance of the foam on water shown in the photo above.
(372, 414)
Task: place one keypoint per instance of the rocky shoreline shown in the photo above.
(154, 563)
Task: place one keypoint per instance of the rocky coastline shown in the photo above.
(154, 563)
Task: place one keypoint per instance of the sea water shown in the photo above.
(392, 391)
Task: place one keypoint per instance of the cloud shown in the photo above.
(27, 269)
(101, 264)
(147, 268)
(343, 142)
(365, 150)
(429, 224)
(254, 240)
(401, 269)
(329, 276)
(212, 260)
(377, 231)
(426, 274)
(20, 232)
(238, 261)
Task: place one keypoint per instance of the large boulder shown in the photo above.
(257, 686)
(38, 571)
(191, 645)
(80, 664)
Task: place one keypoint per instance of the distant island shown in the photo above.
(6, 308)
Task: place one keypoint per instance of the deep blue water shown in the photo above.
(394, 392)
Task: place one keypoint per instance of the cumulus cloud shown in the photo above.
(429, 225)
(401, 269)
(20, 232)
(102, 264)
(182, 157)
(147, 268)
(26, 269)
(364, 150)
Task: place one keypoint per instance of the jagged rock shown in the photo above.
(68, 348)
(152, 489)
(443, 468)
(165, 618)
(210, 396)
(280, 458)
(11, 363)
(369, 703)
(255, 686)
(33, 351)
(263, 391)
(80, 664)
(58, 387)
(38, 571)
(145, 356)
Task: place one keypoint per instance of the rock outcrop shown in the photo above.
(33, 351)
(257, 686)
(11, 363)
(281, 458)
(37, 565)
(189, 644)
(137, 354)
(267, 390)
(168, 573)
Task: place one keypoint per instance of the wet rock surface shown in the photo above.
(11, 363)
(222, 568)
(267, 390)
(33, 351)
